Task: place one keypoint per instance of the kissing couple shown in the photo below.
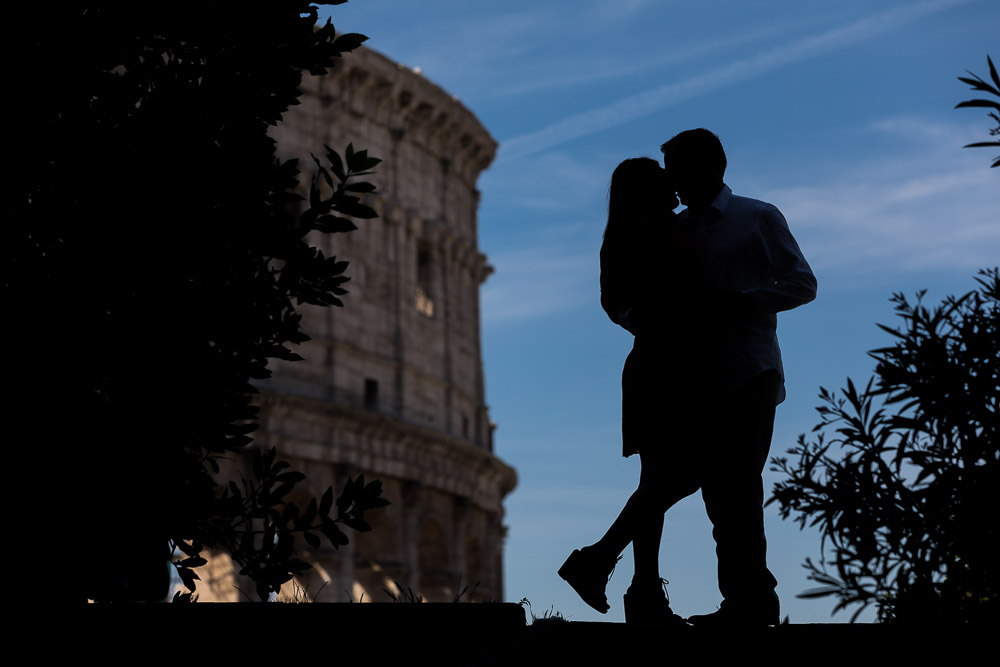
(700, 291)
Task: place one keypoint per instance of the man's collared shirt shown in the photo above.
(744, 245)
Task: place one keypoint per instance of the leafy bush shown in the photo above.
(904, 479)
(154, 259)
(978, 83)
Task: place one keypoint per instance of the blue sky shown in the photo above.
(839, 113)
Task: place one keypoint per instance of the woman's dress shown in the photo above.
(646, 283)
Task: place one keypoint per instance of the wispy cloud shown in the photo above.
(930, 205)
(548, 184)
(570, 72)
(553, 267)
(612, 10)
(459, 45)
(536, 282)
(644, 103)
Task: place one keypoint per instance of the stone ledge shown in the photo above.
(468, 634)
(611, 644)
(372, 634)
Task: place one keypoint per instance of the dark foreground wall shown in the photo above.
(465, 634)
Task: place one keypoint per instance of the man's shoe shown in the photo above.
(739, 614)
(588, 577)
(650, 606)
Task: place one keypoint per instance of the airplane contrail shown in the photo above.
(644, 103)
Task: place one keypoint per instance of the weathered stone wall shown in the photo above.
(392, 384)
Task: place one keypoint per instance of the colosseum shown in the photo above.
(392, 384)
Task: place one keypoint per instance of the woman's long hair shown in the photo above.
(636, 186)
(635, 196)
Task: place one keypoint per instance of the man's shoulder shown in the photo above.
(748, 207)
(750, 202)
(754, 213)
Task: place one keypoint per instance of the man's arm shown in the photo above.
(792, 282)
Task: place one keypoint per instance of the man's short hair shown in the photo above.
(698, 148)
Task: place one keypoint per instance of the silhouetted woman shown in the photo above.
(645, 273)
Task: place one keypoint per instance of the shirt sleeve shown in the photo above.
(791, 282)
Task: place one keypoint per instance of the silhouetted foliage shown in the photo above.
(904, 479)
(979, 84)
(153, 264)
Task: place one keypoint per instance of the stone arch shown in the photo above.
(434, 563)
(379, 554)
(474, 571)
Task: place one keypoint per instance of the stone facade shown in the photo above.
(392, 384)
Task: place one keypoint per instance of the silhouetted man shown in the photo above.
(751, 268)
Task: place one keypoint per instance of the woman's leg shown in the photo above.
(662, 483)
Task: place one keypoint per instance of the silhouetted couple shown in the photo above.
(699, 291)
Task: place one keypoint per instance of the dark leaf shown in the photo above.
(188, 577)
(357, 524)
(990, 104)
(332, 224)
(280, 492)
(818, 593)
(258, 465)
(335, 162)
(334, 534)
(192, 550)
(362, 186)
(263, 588)
(327, 502)
(259, 512)
(349, 41)
(356, 210)
(296, 566)
(307, 517)
(293, 477)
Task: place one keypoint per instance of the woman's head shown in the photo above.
(638, 195)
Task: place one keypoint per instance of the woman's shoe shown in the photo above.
(650, 606)
(588, 577)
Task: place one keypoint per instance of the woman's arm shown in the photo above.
(616, 298)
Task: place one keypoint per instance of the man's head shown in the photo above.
(696, 162)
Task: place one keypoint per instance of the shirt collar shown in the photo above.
(714, 211)
(721, 200)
